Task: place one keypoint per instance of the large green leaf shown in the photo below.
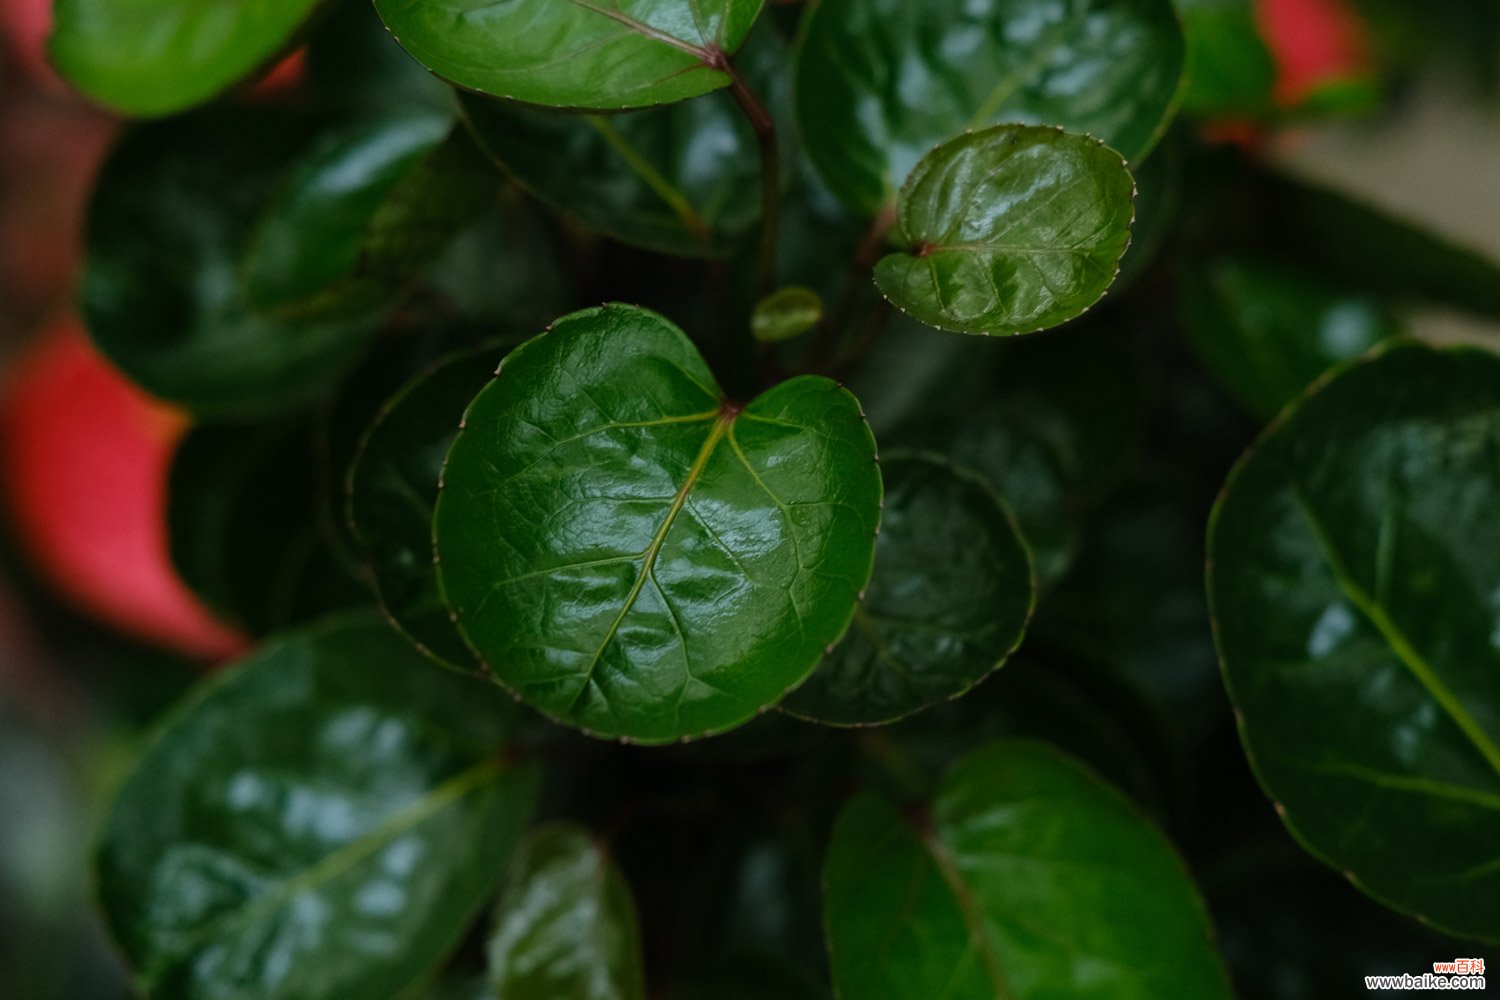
(1009, 230)
(1354, 563)
(636, 555)
(363, 212)
(949, 600)
(154, 57)
(162, 296)
(604, 55)
(1030, 880)
(565, 925)
(321, 822)
(393, 486)
(880, 82)
(1267, 330)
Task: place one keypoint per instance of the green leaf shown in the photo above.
(1230, 70)
(881, 82)
(786, 313)
(1354, 562)
(1267, 331)
(682, 179)
(602, 55)
(156, 57)
(1009, 230)
(241, 526)
(565, 925)
(354, 63)
(1031, 879)
(948, 603)
(173, 210)
(322, 821)
(393, 486)
(1378, 252)
(363, 212)
(634, 554)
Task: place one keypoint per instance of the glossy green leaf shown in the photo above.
(174, 208)
(322, 821)
(948, 602)
(155, 57)
(1268, 331)
(565, 925)
(881, 82)
(1376, 251)
(1230, 70)
(363, 212)
(1009, 230)
(682, 179)
(1354, 563)
(1031, 880)
(786, 313)
(604, 55)
(393, 486)
(639, 557)
(241, 528)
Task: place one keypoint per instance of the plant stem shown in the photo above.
(770, 174)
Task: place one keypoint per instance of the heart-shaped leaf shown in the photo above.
(948, 602)
(154, 57)
(322, 822)
(565, 925)
(636, 555)
(1009, 230)
(1268, 330)
(363, 212)
(393, 485)
(1354, 563)
(881, 82)
(603, 55)
(174, 208)
(1031, 879)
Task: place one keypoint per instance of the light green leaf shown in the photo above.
(156, 57)
(321, 822)
(1031, 880)
(638, 556)
(1230, 70)
(1009, 230)
(952, 592)
(565, 925)
(786, 313)
(603, 55)
(1354, 568)
(881, 82)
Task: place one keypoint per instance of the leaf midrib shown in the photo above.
(334, 864)
(1394, 637)
(648, 559)
(968, 907)
(645, 30)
